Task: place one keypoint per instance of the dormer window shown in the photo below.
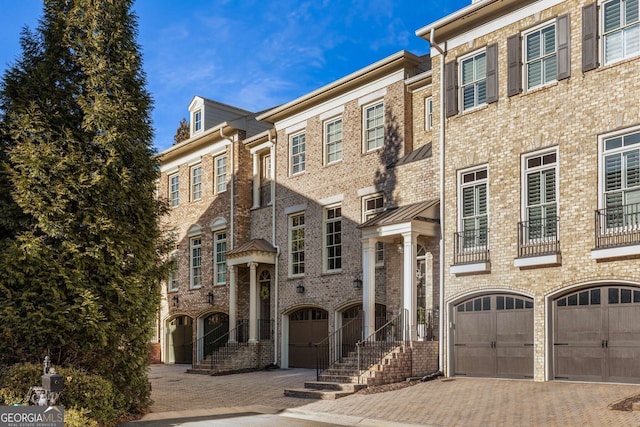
(197, 121)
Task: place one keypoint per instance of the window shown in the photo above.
(197, 121)
(265, 179)
(428, 113)
(196, 182)
(621, 29)
(298, 151)
(540, 56)
(221, 174)
(333, 140)
(174, 190)
(374, 126)
(473, 213)
(333, 238)
(540, 195)
(372, 206)
(196, 262)
(296, 244)
(621, 192)
(473, 81)
(173, 273)
(220, 248)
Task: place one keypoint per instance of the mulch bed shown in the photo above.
(372, 389)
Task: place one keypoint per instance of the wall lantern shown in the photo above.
(357, 282)
(210, 298)
(300, 288)
(176, 300)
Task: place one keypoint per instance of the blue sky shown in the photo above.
(251, 54)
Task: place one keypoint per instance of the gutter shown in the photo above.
(231, 191)
(273, 241)
(473, 7)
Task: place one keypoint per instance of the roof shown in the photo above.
(413, 212)
(420, 153)
(255, 245)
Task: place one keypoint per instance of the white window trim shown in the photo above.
(304, 163)
(191, 267)
(601, 154)
(192, 183)
(325, 142)
(365, 142)
(460, 206)
(215, 256)
(524, 171)
(173, 275)
(602, 38)
(428, 113)
(525, 80)
(217, 175)
(290, 242)
(373, 211)
(194, 121)
(460, 86)
(171, 192)
(325, 252)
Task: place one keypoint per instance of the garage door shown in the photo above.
(493, 337)
(597, 335)
(307, 327)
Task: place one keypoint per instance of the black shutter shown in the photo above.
(563, 32)
(514, 77)
(451, 88)
(589, 37)
(492, 73)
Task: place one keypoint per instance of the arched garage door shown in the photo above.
(597, 335)
(493, 337)
(307, 327)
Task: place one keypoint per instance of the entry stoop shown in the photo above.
(324, 390)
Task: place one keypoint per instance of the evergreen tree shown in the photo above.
(82, 259)
(182, 133)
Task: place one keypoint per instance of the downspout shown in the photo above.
(434, 45)
(231, 192)
(273, 240)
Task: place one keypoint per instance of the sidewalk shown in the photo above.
(444, 402)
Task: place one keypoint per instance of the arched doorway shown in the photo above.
(493, 336)
(215, 332)
(596, 335)
(307, 327)
(180, 340)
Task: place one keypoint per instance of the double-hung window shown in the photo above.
(333, 140)
(473, 80)
(195, 247)
(540, 195)
(298, 151)
(428, 113)
(620, 29)
(296, 244)
(333, 238)
(220, 163)
(173, 284)
(196, 182)
(174, 189)
(220, 248)
(374, 126)
(372, 206)
(473, 208)
(540, 49)
(621, 181)
(197, 121)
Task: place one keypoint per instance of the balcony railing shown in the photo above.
(538, 237)
(471, 246)
(618, 226)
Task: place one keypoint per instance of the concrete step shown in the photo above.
(307, 393)
(199, 371)
(325, 385)
(344, 379)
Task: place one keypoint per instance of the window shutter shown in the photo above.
(564, 41)
(492, 73)
(514, 63)
(589, 37)
(451, 88)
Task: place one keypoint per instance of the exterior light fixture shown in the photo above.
(210, 297)
(300, 288)
(357, 282)
(176, 300)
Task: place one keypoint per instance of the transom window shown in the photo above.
(220, 242)
(374, 126)
(298, 152)
(333, 238)
(333, 140)
(540, 56)
(540, 195)
(196, 182)
(473, 79)
(473, 212)
(296, 244)
(622, 180)
(196, 262)
(621, 29)
(221, 174)
(174, 189)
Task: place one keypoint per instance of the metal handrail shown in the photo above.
(471, 246)
(230, 342)
(538, 237)
(617, 226)
(428, 324)
(338, 345)
(201, 343)
(376, 346)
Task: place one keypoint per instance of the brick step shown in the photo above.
(326, 385)
(339, 378)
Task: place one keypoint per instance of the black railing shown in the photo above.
(471, 246)
(265, 330)
(428, 324)
(265, 195)
(233, 340)
(538, 237)
(339, 344)
(376, 346)
(618, 226)
(210, 341)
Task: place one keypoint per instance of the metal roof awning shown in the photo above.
(255, 250)
(422, 217)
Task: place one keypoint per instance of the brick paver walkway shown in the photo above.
(445, 402)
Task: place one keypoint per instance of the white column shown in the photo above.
(369, 285)
(409, 267)
(233, 301)
(253, 303)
